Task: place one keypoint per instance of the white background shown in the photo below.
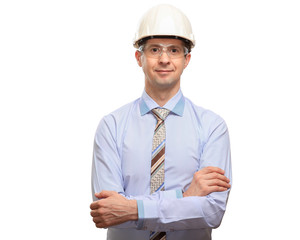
(65, 64)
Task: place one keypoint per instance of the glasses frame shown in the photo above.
(163, 48)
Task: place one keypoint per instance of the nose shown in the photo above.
(164, 58)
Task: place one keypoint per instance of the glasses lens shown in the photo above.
(156, 51)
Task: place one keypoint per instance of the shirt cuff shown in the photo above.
(140, 221)
(179, 193)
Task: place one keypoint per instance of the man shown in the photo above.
(161, 165)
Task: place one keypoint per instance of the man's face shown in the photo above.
(162, 72)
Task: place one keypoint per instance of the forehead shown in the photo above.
(165, 41)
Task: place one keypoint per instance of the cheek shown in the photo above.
(180, 66)
(147, 65)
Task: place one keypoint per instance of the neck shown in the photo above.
(161, 96)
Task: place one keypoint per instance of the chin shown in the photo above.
(165, 84)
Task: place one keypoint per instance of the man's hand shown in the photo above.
(112, 209)
(206, 181)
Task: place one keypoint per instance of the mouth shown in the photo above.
(163, 70)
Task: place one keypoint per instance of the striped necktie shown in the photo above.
(158, 159)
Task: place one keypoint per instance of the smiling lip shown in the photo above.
(163, 70)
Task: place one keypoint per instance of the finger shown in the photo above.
(97, 220)
(218, 183)
(211, 169)
(95, 213)
(100, 225)
(215, 175)
(101, 222)
(97, 195)
(106, 194)
(217, 189)
(95, 205)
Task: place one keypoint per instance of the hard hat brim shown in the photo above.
(143, 40)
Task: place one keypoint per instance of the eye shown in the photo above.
(175, 50)
(154, 50)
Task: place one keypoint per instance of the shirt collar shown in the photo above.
(175, 104)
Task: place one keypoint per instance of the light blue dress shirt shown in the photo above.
(195, 138)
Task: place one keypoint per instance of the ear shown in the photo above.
(187, 59)
(138, 56)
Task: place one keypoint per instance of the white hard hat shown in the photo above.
(166, 21)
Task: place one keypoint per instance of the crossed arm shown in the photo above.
(203, 202)
(112, 208)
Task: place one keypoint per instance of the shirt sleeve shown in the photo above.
(107, 173)
(164, 210)
(194, 212)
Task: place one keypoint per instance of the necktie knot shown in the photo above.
(160, 113)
